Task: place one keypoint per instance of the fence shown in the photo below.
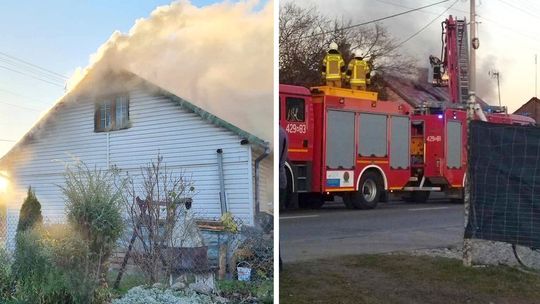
(505, 192)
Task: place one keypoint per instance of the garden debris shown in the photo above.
(200, 288)
(178, 286)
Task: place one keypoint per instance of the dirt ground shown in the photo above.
(404, 279)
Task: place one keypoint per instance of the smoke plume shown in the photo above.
(219, 57)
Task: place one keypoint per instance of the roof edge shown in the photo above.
(213, 119)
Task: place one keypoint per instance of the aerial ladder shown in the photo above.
(453, 69)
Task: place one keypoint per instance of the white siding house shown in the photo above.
(158, 122)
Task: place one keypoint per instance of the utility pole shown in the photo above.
(467, 243)
(535, 75)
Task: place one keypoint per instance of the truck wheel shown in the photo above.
(369, 192)
(311, 200)
(347, 200)
(420, 197)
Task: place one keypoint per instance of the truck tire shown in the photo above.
(347, 200)
(311, 200)
(369, 192)
(420, 197)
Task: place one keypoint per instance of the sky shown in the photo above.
(508, 33)
(59, 37)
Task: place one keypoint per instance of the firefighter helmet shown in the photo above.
(333, 46)
(357, 54)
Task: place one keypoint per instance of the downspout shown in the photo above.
(257, 170)
(222, 196)
(108, 150)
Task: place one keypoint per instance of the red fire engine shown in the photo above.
(346, 143)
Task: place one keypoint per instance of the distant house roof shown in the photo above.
(133, 78)
(530, 109)
(416, 91)
(524, 107)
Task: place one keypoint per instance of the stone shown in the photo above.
(178, 286)
(221, 300)
(158, 285)
(201, 288)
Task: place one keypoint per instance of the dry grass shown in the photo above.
(403, 279)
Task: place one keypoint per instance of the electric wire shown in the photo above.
(424, 27)
(519, 9)
(19, 106)
(33, 76)
(372, 21)
(34, 65)
(32, 70)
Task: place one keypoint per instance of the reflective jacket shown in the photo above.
(333, 66)
(357, 71)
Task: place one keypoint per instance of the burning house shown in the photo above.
(119, 120)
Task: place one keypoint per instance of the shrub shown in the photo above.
(73, 258)
(6, 282)
(37, 278)
(30, 212)
(94, 212)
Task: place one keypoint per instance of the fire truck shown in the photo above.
(346, 143)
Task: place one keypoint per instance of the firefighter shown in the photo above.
(333, 66)
(357, 72)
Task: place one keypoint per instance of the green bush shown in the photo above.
(30, 215)
(6, 282)
(73, 258)
(55, 267)
(93, 206)
(38, 280)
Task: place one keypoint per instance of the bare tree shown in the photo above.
(304, 36)
(156, 202)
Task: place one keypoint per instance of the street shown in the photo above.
(395, 226)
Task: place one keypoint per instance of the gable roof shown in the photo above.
(129, 77)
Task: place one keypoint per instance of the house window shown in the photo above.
(112, 114)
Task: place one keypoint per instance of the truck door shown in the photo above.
(340, 150)
(296, 124)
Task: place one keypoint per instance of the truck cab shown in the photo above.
(296, 117)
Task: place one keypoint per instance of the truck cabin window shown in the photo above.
(295, 109)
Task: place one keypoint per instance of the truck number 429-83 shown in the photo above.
(296, 128)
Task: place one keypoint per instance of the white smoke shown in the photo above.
(219, 57)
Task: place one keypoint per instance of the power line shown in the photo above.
(32, 70)
(8, 140)
(34, 65)
(519, 9)
(424, 27)
(19, 106)
(424, 11)
(18, 95)
(373, 21)
(32, 76)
